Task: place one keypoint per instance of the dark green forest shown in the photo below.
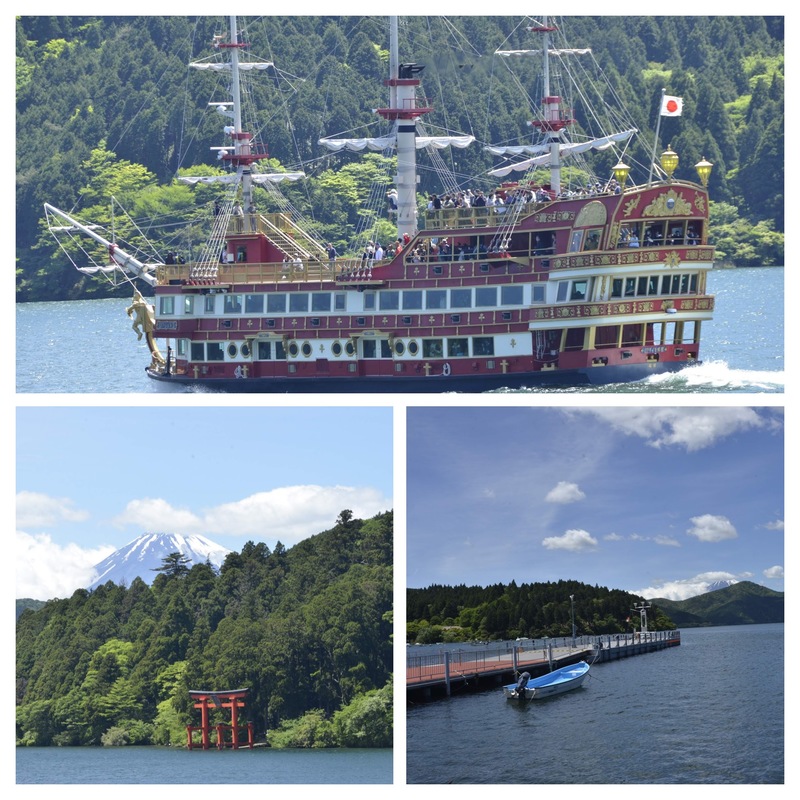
(308, 630)
(106, 106)
(534, 610)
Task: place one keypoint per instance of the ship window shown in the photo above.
(693, 284)
(214, 351)
(386, 351)
(689, 332)
(208, 305)
(616, 287)
(593, 239)
(606, 336)
(510, 295)
(188, 304)
(254, 303)
(336, 348)
(684, 284)
(389, 301)
(232, 350)
(436, 298)
(369, 301)
(675, 233)
(198, 351)
(457, 347)
(167, 304)
(632, 335)
(350, 347)
(652, 284)
(561, 296)
(399, 347)
(232, 304)
(461, 298)
(413, 347)
(276, 303)
(293, 349)
(320, 301)
(181, 347)
(339, 301)
(630, 287)
(537, 293)
(412, 299)
(298, 302)
(280, 351)
(306, 349)
(432, 348)
(485, 296)
(578, 290)
(246, 350)
(482, 346)
(575, 338)
(575, 241)
(368, 348)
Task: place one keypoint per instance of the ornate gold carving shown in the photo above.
(662, 207)
(631, 206)
(672, 259)
(700, 202)
(593, 213)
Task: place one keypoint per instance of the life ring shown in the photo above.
(445, 369)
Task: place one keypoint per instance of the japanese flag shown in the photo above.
(671, 106)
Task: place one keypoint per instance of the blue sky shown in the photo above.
(91, 479)
(658, 501)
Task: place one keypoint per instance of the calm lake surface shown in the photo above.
(175, 765)
(89, 346)
(708, 712)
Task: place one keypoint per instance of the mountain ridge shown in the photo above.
(742, 603)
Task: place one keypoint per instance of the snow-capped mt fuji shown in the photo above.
(143, 555)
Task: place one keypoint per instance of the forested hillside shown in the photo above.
(307, 630)
(465, 613)
(106, 106)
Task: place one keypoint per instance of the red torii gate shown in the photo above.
(232, 699)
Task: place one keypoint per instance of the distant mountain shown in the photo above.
(142, 556)
(741, 603)
(24, 603)
(712, 587)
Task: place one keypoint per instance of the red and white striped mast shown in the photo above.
(553, 122)
(403, 111)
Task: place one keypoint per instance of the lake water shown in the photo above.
(175, 765)
(710, 711)
(88, 346)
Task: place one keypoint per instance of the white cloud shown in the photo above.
(712, 528)
(690, 428)
(36, 510)
(688, 587)
(666, 541)
(777, 525)
(46, 570)
(574, 540)
(288, 514)
(773, 573)
(565, 492)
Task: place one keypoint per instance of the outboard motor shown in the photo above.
(521, 684)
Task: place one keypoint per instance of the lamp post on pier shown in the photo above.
(572, 617)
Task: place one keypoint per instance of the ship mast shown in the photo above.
(552, 122)
(403, 111)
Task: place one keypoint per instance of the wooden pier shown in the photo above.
(481, 667)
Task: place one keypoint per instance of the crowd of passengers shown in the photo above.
(504, 197)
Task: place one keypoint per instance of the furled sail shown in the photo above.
(388, 142)
(260, 178)
(562, 52)
(565, 150)
(223, 66)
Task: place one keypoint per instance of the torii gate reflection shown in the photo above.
(232, 699)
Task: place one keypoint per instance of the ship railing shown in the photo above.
(291, 238)
(477, 216)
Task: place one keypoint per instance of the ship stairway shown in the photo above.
(207, 266)
(292, 240)
(511, 214)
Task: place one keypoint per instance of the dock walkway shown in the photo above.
(441, 673)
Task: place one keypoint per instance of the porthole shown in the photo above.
(413, 347)
(336, 348)
(293, 349)
(245, 350)
(350, 348)
(399, 347)
(306, 348)
(232, 350)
